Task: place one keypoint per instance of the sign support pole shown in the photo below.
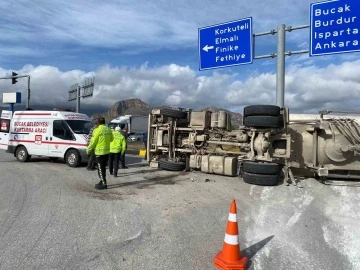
(78, 99)
(28, 94)
(280, 66)
(28, 87)
(280, 57)
(208, 52)
(11, 107)
(77, 92)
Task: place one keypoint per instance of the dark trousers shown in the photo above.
(145, 144)
(101, 167)
(91, 161)
(122, 160)
(114, 163)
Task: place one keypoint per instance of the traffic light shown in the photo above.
(14, 79)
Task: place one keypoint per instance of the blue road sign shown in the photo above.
(226, 44)
(334, 27)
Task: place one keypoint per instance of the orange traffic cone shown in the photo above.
(230, 256)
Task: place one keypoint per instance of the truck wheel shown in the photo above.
(264, 121)
(72, 158)
(173, 113)
(262, 168)
(22, 154)
(261, 179)
(261, 110)
(169, 165)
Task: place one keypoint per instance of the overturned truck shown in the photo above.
(269, 145)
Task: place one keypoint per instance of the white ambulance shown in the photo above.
(55, 134)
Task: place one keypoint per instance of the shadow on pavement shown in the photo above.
(163, 180)
(124, 173)
(251, 251)
(131, 161)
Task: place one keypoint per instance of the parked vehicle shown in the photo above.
(134, 124)
(54, 134)
(136, 137)
(270, 143)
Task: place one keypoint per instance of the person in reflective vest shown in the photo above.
(100, 144)
(117, 148)
(91, 161)
(124, 132)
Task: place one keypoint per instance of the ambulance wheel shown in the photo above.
(22, 154)
(72, 158)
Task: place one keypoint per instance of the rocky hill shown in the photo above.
(236, 118)
(138, 107)
(128, 106)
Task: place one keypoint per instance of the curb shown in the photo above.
(136, 152)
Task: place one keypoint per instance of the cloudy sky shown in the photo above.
(149, 50)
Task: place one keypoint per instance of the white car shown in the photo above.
(136, 137)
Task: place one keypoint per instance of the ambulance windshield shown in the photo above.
(80, 126)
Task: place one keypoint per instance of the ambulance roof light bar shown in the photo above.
(64, 110)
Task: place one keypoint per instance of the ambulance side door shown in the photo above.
(40, 146)
(4, 133)
(60, 138)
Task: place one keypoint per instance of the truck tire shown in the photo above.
(173, 113)
(169, 165)
(22, 154)
(261, 110)
(264, 121)
(262, 168)
(261, 179)
(72, 158)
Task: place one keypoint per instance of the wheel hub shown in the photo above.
(71, 158)
(21, 154)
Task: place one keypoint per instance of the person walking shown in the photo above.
(117, 148)
(100, 144)
(145, 137)
(91, 161)
(124, 132)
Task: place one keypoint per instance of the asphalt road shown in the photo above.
(51, 217)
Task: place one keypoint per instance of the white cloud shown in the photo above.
(132, 26)
(308, 89)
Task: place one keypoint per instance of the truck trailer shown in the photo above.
(271, 144)
(134, 123)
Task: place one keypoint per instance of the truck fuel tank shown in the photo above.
(222, 165)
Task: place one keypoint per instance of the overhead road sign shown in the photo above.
(226, 44)
(334, 27)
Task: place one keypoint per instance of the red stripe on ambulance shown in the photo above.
(47, 142)
(32, 114)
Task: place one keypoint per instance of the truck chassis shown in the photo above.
(267, 147)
